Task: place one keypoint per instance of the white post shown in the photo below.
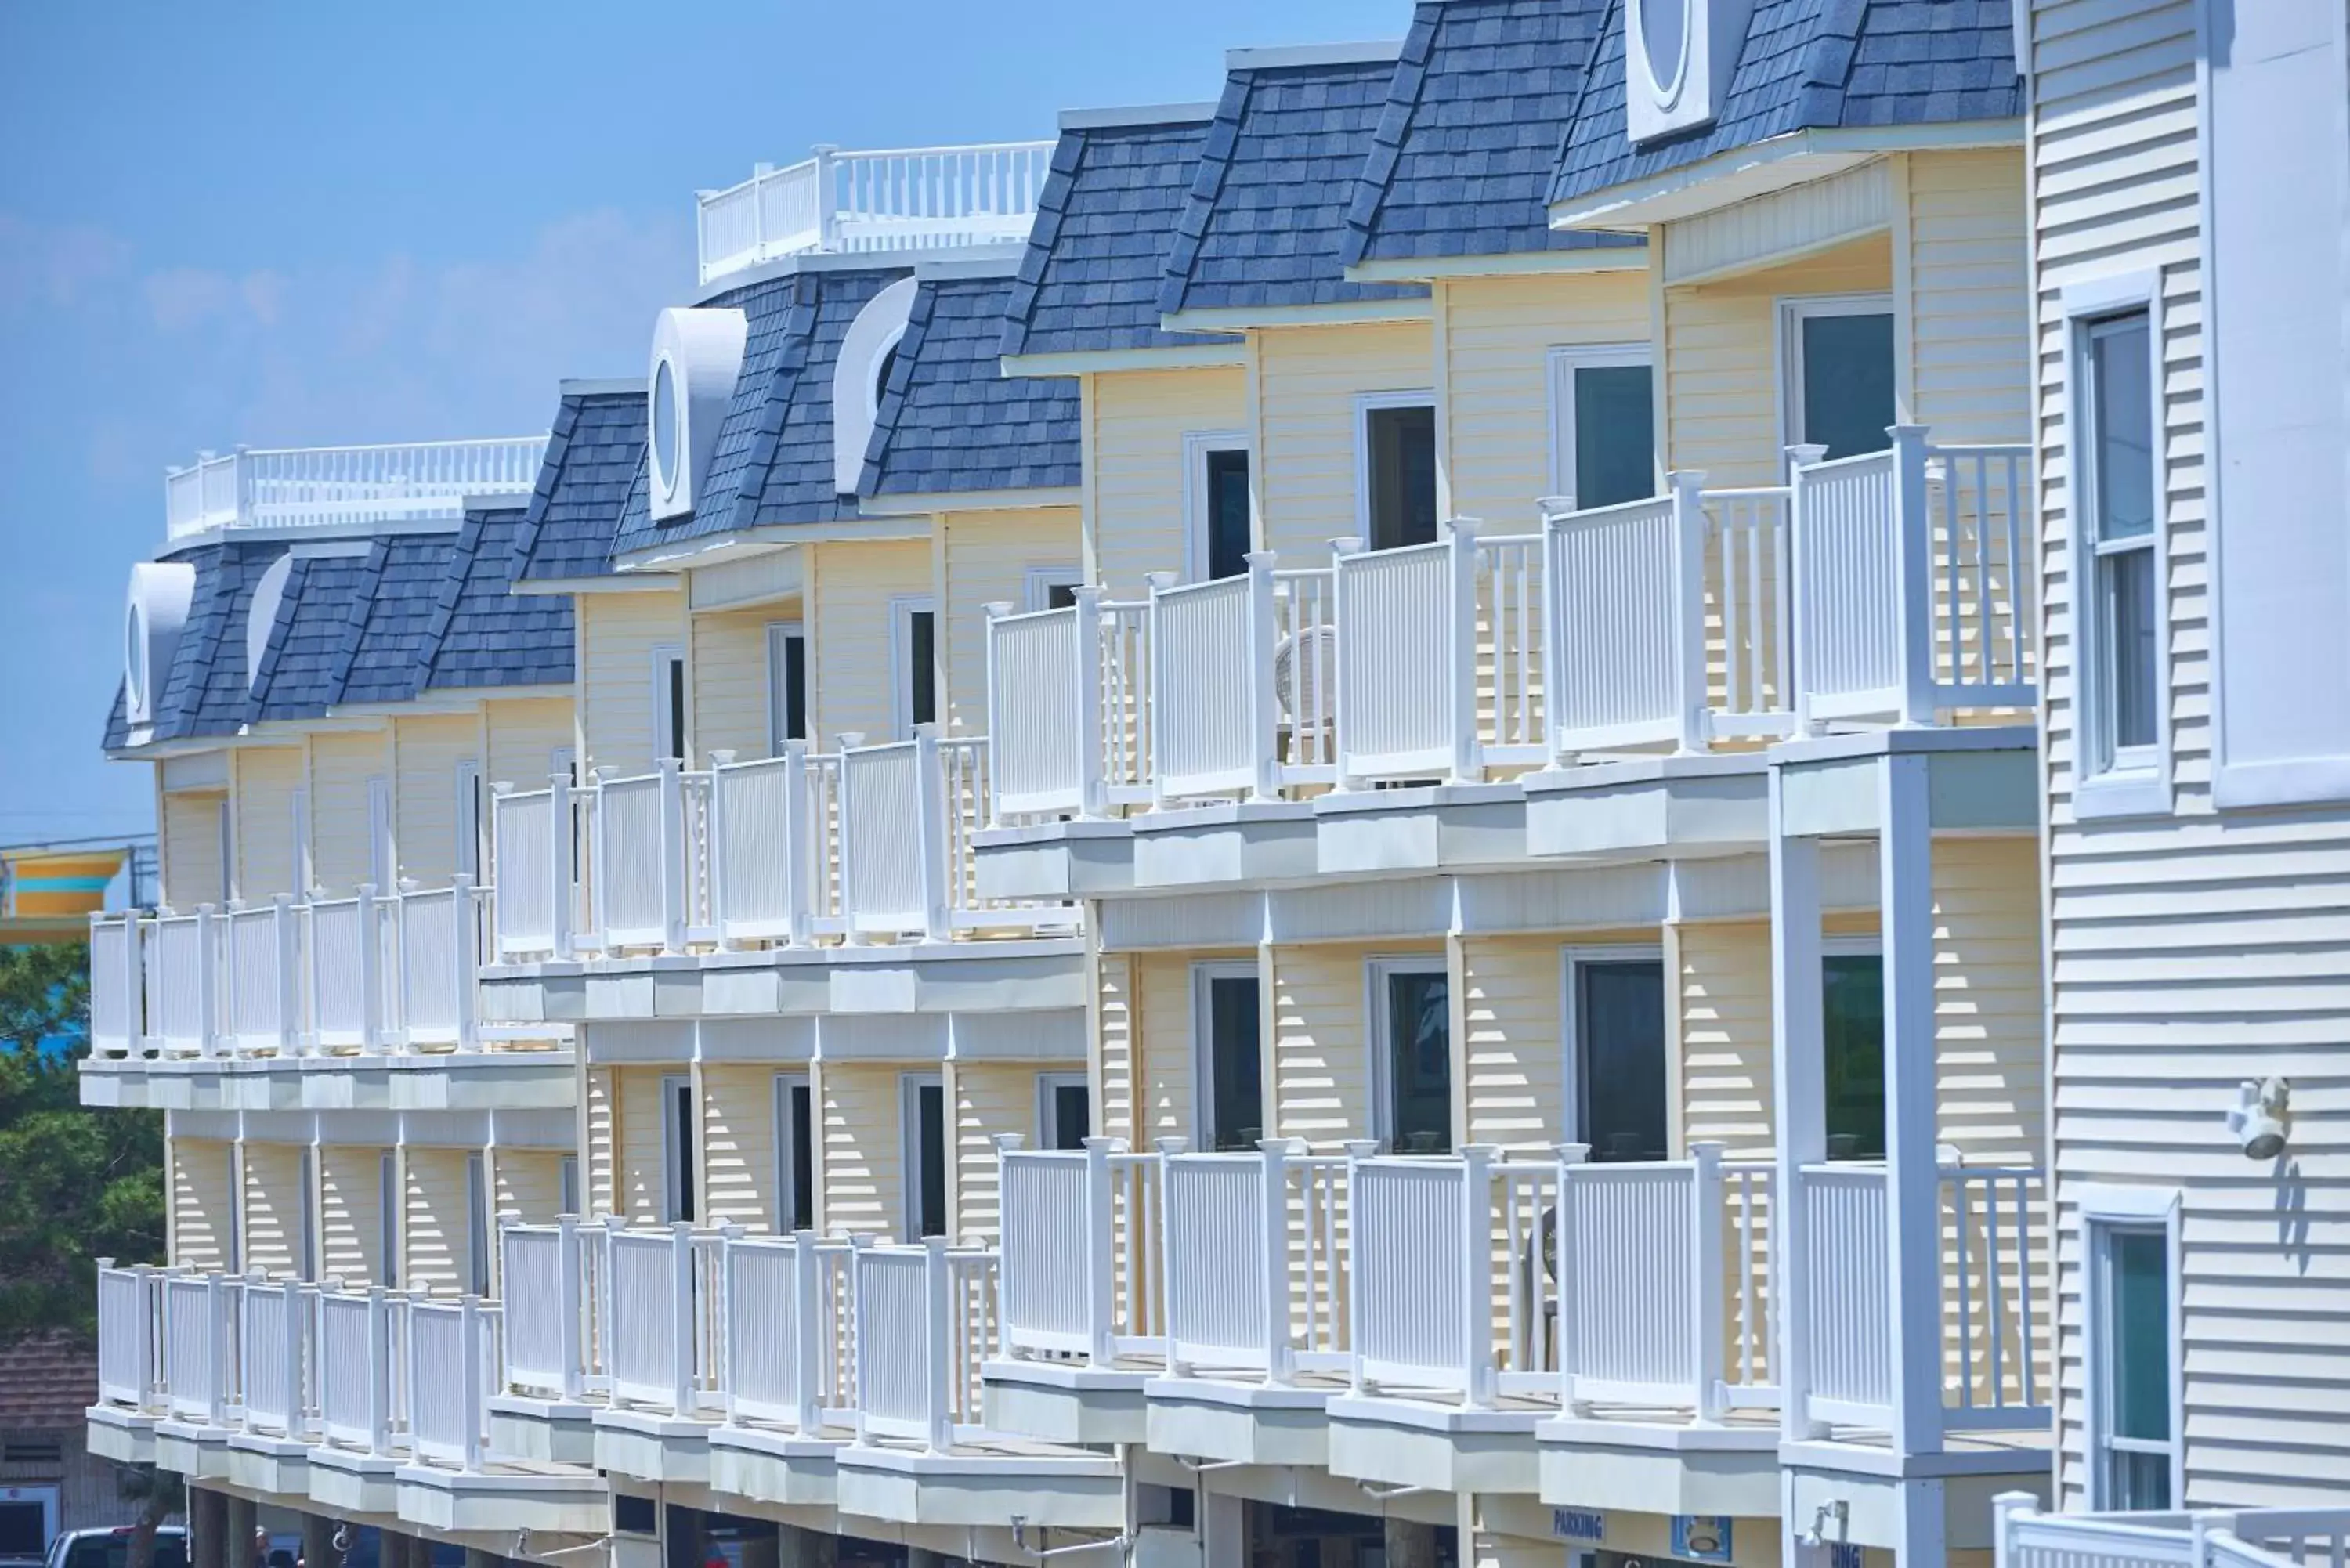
(208, 962)
(614, 1224)
(1358, 1150)
(561, 823)
(828, 198)
(715, 851)
(1101, 1251)
(1340, 550)
(567, 1304)
(1093, 787)
(1689, 607)
(254, 1281)
(1162, 687)
(801, 823)
(930, 834)
(297, 1322)
(134, 988)
(469, 1378)
(1799, 1088)
(2006, 1509)
(370, 971)
(672, 855)
(1912, 1160)
(937, 1355)
(1570, 1155)
(1913, 558)
(1801, 457)
(286, 957)
(217, 1349)
(808, 1307)
(1707, 1354)
(681, 1359)
(1461, 686)
(1476, 1281)
(378, 1394)
(1263, 701)
(467, 960)
(1280, 1358)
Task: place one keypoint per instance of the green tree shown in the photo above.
(76, 1185)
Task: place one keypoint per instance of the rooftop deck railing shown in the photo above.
(917, 198)
(2025, 1537)
(344, 486)
(1891, 588)
(366, 974)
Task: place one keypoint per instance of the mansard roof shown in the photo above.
(950, 420)
(593, 458)
(481, 633)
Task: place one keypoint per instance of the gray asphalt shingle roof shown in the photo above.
(592, 458)
(1809, 64)
(1462, 162)
(1265, 224)
(384, 653)
(481, 633)
(299, 669)
(950, 420)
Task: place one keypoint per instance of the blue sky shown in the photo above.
(297, 225)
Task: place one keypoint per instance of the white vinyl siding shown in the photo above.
(266, 856)
(853, 658)
(863, 1162)
(191, 844)
(273, 1206)
(523, 736)
(1308, 463)
(350, 1214)
(204, 1204)
(988, 558)
(738, 1140)
(730, 682)
(1136, 422)
(437, 1235)
(429, 752)
(342, 827)
(617, 634)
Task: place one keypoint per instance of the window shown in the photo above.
(388, 1197)
(1618, 1056)
(2132, 1347)
(1218, 513)
(677, 1147)
(924, 1109)
(477, 1224)
(470, 824)
(567, 1185)
(2115, 499)
(1851, 1017)
(1225, 1042)
(786, 685)
(916, 658)
(1050, 588)
(1063, 1110)
(1398, 439)
(1415, 1036)
(668, 704)
(26, 1523)
(795, 1154)
(1603, 424)
(1839, 370)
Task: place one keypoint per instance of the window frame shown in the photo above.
(787, 1151)
(1198, 547)
(672, 704)
(1048, 1088)
(677, 1181)
(1365, 404)
(1037, 583)
(2107, 782)
(1205, 972)
(1379, 1039)
(910, 1133)
(1560, 366)
(1573, 959)
(1789, 312)
(2105, 1210)
(780, 634)
(903, 607)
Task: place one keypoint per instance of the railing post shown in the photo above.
(370, 968)
(1460, 615)
(827, 197)
(714, 879)
(1707, 1365)
(1280, 1358)
(1913, 566)
(930, 834)
(1913, 1185)
(672, 855)
(1093, 787)
(296, 1328)
(469, 1378)
(1800, 458)
(1570, 1155)
(1358, 1151)
(255, 1283)
(2006, 1508)
(938, 1297)
(568, 1306)
(1155, 585)
(1689, 607)
(1799, 1091)
(680, 1361)
(1340, 551)
(1101, 1251)
(1477, 1274)
(467, 960)
(614, 1224)
(208, 979)
(561, 825)
(134, 988)
(1263, 699)
(378, 1394)
(288, 961)
(808, 1308)
(801, 823)
(215, 1352)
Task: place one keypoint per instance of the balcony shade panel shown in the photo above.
(1807, 65)
(595, 456)
(1462, 162)
(950, 420)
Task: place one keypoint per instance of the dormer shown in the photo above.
(697, 358)
(1677, 59)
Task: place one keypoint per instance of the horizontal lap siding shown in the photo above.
(863, 1149)
(1970, 324)
(851, 654)
(617, 634)
(730, 680)
(1115, 1023)
(989, 1098)
(1307, 381)
(272, 1208)
(1167, 1084)
(1322, 1090)
(1512, 1053)
(1498, 336)
(429, 751)
(529, 1185)
(439, 1229)
(1135, 425)
(988, 558)
(738, 1141)
(524, 739)
(341, 767)
(267, 857)
(191, 850)
(350, 1214)
(203, 1207)
(602, 1093)
(639, 1162)
(1722, 991)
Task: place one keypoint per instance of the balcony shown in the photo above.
(907, 199)
(412, 484)
(2214, 1538)
(864, 845)
(1884, 589)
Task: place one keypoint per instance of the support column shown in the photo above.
(1923, 1532)
(1410, 1544)
(1912, 1163)
(318, 1542)
(1799, 1091)
(241, 1522)
(477, 1558)
(799, 1548)
(208, 1525)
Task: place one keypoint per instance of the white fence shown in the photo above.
(1081, 1255)
(129, 1333)
(1255, 1271)
(2024, 1537)
(332, 487)
(925, 1324)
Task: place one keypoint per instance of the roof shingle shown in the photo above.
(950, 420)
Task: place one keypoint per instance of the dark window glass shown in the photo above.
(1072, 1116)
(1402, 460)
(1853, 1011)
(681, 1135)
(1228, 514)
(1847, 382)
(21, 1530)
(2137, 1370)
(677, 709)
(1235, 1087)
(1615, 434)
(1419, 1062)
(635, 1515)
(803, 1159)
(930, 1112)
(1619, 1035)
(922, 666)
(796, 689)
(1060, 595)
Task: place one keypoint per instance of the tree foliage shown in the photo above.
(75, 1184)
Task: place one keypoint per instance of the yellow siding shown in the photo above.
(1321, 1087)
(1989, 1029)
(1515, 1066)
(350, 1214)
(529, 1183)
(272, 1208)
(988, 557)
(1722, 980)
(1721, 381)
(601, 1093)
(341, 766)
(1307, 381)
(990, 1098)
(202, 1209)
(850, 648)
(638, 1156)
(191, 850)
(1969, 313)
(523, 738)
(730, 680)
(617, 634)
(1114, 1026)
(1167, 1096)
(1135, 426)
(429, 750)
(267, 859)
(439, 1229)
(1498, 335)
(738, 1135)
(863, 1156)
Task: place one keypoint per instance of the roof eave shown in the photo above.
(1519, 264)
(1242, 317)
(931, 503)
(1088, 361)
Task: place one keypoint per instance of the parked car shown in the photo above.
(111, 1548)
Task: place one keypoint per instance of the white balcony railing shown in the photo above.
(346, 487)
(906, 198)
(2024, 1537)
(1255, 1261)
(293, 977)
(925, 1325)
(1081, 1252)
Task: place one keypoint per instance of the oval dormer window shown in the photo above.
(664, 426)
(134, 658)
(1664, 39)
